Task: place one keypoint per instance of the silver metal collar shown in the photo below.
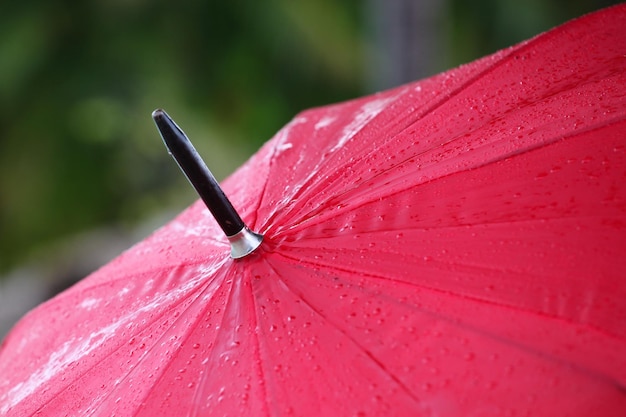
(244, 243)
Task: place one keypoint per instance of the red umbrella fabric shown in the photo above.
(451, 247)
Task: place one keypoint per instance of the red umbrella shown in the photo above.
(452, 247)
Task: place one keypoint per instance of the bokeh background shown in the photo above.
(83, 173)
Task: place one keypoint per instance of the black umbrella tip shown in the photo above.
(158, 114)
(164, 121)
(171, 134)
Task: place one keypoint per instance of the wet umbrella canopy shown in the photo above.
(451, 247)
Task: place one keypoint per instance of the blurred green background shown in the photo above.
(79, 79)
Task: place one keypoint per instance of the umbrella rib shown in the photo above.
(262, 371)
(361, 348)
(136, 274)
(205, 374)
(262, 194)
(471, 328)
(397, 281)
(438, 227)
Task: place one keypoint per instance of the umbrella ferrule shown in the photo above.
(244, 243)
